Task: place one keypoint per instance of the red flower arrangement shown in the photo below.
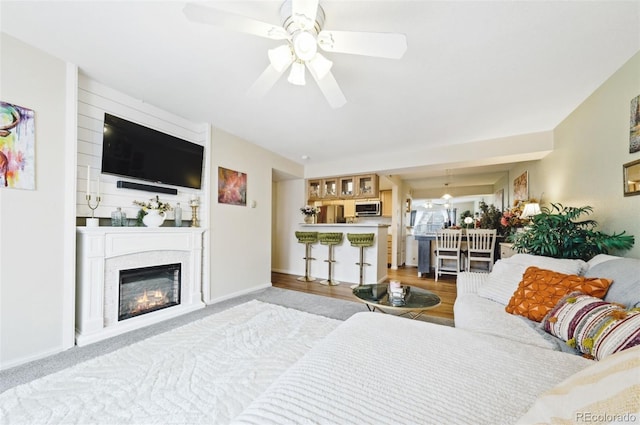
(511, 220)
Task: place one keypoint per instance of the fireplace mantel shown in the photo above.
(103, 251)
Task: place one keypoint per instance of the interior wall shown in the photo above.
(502, 184)
(35, 319)
(466, 206)
(590, 147)
(241, 235)
(289, 197)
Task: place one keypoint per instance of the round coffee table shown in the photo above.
(415, 302)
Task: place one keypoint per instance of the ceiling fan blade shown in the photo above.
(231, 21)
(380, 44)
(306, 9)
(330, 88)
(265, 81)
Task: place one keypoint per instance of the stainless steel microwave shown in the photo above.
(367, 208)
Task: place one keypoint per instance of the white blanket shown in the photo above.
(205, 372)
(380, 369)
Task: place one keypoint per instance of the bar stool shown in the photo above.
(307, 238)
(330, 239)
(362, 241)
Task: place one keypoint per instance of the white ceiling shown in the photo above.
(473, 70)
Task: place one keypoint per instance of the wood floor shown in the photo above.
(445, 287)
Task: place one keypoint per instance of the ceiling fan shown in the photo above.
(302, 29)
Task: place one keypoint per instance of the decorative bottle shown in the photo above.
(116, 218)
(178, 215)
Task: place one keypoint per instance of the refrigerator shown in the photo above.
(330, 214)
(411, 244)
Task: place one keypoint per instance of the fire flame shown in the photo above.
(149, 300)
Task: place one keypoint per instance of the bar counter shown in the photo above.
(346, 256)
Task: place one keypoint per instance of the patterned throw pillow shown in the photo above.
(595, 327)
(507, 273)
(540, 290)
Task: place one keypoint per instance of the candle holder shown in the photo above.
(92, 222)
(194, 213)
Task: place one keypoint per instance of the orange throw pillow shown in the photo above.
(540, 290)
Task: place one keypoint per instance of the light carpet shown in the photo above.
(205, 372)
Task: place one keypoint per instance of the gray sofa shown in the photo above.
(481, 297)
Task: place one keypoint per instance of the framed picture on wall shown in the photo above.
(634, 126)
(17, 147)
(498, 199)
(232, 187)
(631, 178)
(521, 187)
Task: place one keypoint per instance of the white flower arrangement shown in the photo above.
(154, 204)
(309, 210)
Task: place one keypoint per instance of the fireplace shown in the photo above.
(110, 260)
(146, 289)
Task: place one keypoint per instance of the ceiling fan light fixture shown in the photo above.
(296, 76)
(281, 57)
(302, 28)
(320, 66)
(305, 45)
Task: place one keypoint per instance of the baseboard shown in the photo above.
(286, 271)
(23, 360)
(383, 280)
(237, 294)
(137, 322)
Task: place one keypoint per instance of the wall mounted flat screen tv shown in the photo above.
(132, 150)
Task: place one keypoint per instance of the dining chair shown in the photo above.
(480, 249)
(448, 251)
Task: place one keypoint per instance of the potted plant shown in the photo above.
(309, 213)
(153, 211)
(558, 232)
(490, 217)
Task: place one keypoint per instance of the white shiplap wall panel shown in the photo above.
(94, 104)
(94, 99)
(88, 148)
(94, 138)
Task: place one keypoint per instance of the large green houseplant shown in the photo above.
(490, 217)
(558, 232)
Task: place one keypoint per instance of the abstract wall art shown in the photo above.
(634, 126)
(17, 147)
(521, 187)
(232, 187)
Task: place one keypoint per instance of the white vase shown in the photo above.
(309, 219)
(154, 218)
